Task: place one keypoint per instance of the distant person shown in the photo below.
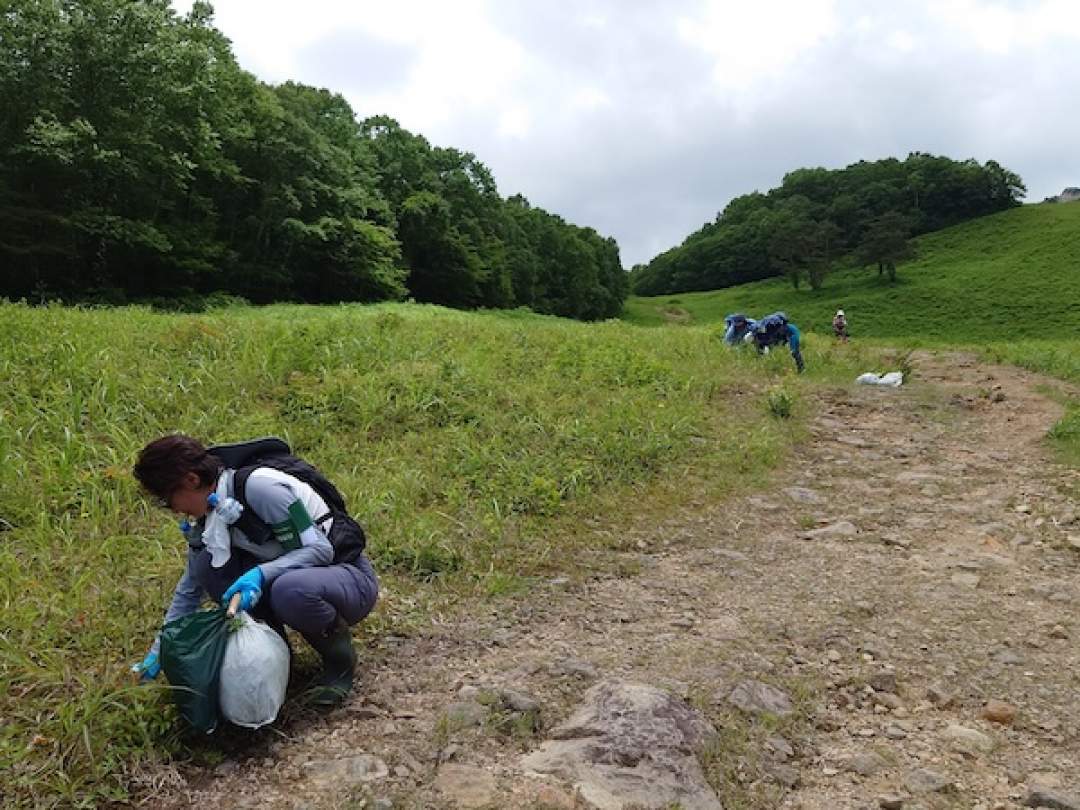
(737, 327)
(266, 525)
(839, 326)
(776, 330)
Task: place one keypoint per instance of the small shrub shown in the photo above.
(780, 402)
(224, 300)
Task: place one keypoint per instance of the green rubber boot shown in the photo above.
(339, 659)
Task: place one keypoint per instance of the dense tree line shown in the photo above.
(867, 211)
(139, 162)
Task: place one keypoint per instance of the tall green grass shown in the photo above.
(470, 445)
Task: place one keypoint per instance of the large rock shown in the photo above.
(630, 744)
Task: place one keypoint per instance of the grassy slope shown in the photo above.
(472, 446)
(1009, 274)
(1008, 284)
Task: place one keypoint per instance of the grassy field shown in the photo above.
(472, 446)
(1008, 276)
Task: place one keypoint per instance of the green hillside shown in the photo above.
(1006, 276)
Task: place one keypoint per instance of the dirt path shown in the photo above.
(910, 564)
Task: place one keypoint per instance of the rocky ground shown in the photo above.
(892, 624)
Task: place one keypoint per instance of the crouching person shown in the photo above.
(777, 330)
(268, 526)
(736, 326)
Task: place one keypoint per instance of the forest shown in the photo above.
(865, 214)
(140, 163)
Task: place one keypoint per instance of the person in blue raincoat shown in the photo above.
(776, 330)
(737, 325)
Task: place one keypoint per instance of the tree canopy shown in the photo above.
(817, 214)
(138, 161)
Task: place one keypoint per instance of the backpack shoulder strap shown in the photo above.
(254, 527)
(242, 454)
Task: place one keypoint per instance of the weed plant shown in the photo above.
(472, 447)
(781, 402)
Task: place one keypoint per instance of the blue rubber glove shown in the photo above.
(249, 586)
(148, 668)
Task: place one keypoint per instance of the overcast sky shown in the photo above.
(643, 119)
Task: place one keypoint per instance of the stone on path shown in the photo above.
(883, 681)
(895, 539)
(842, 528)
(803, 495)
(867, 763)
(923, 780)
(346, 772)
(1048, 797)
(784, 774)
(554, 798)
(465, 785)
(573, 668)
(966, 579)
(501, 697)
(913, 477)
(998, 711)
(1007, 657)
(465, 713)
(630, 744)
(755, 697)
(968, 740)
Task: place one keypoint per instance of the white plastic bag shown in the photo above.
(254, 674)
(894, 379)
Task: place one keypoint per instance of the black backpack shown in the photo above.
(346, 535)
(771, 329)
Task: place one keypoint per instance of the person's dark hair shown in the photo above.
(164, 462)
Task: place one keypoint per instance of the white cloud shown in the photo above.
(749, 41)
(1001, 28)
(515, 123)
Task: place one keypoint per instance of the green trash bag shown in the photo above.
(192, 649)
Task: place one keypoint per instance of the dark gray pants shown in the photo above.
(309, 600)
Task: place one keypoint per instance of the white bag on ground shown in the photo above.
(254, 674)
(893, 379)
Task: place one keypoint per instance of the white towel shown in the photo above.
(216, 531)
